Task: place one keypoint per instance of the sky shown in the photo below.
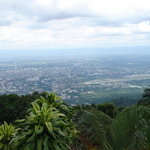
(66, 24)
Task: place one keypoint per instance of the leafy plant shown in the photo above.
(130, 130)
(127, 130)
(52, 100)
(94, 126)
(46, 127)
(7, 133)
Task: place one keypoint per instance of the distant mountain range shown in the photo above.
(77, 51)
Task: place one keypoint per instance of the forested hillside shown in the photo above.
(41, 121)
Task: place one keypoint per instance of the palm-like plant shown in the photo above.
(45, 128)
(52, 100)
(7, 133)
(130, 129)
(94, 127)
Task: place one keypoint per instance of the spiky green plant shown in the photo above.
(7, 133)
(53, 100)
(45, 128)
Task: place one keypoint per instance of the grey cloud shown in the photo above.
(31, 9)
(60, 15)
(12, 8)
(116, 22)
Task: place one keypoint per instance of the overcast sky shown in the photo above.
(48, 24)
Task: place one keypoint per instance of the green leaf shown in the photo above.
(57, 147)
(35, 107)
(30, 146)
(1, 137)
(39, 144)
(49, 127)
(39, 129)
(61, 123)
(46, 137)
(61, 132)
(31, 139)
(44, 107)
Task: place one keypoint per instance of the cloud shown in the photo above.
(103, 12)
(76, 23)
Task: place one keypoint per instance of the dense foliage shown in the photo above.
(145, 98)
(45, 127)
(129, 130)
(41, 121)
(13, 106)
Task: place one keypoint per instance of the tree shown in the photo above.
(145, 98)
(10, 105)
(15, 106)
(108, 108)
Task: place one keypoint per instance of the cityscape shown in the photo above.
(77, 79)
